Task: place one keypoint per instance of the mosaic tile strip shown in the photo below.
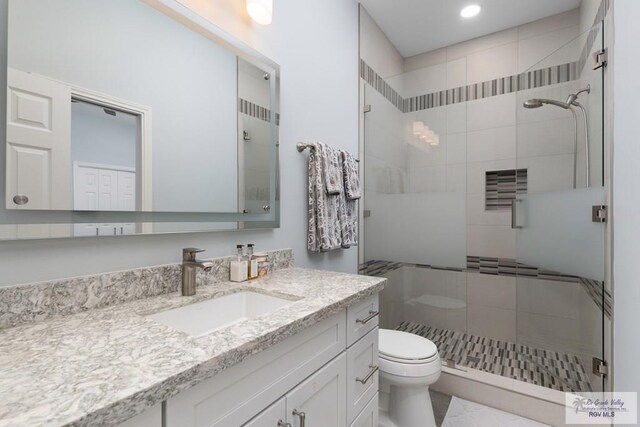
(504, 267)
(528, 80)
(369, 75)
(255, 110)
(501, 188)
(378, 268)
(596, 290)
(555, 370)
(39, 301)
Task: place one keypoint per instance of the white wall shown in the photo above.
(127, 50)
(316, 45)
(376, 49)
(626, 197)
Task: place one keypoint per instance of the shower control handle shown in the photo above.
(283, 424)
(371, 315)
(514, 222)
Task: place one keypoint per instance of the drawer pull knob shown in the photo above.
(371, 315)
(283, 424)
(302, 416)
(373, 370)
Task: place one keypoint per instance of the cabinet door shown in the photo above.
(369, 415)
(321, 399)
(270, 417)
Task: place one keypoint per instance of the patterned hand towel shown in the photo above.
(324, 233)
(351, 176)
(348, 208)
(332, 170)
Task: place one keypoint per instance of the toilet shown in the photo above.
(409, 364)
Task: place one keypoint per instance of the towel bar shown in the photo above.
(301, 146)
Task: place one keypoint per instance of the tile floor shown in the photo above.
(558, 371)
(462, 413)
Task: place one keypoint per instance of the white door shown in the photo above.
(85, 188)
(107, 190)
(270, 417)
(126, 191)
(38, 143)
(322, 398)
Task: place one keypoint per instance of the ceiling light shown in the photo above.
(260, 11)
(470, 11)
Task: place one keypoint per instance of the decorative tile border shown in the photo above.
(555, 370)
(379, 84)
(501, 188)
(39, 301)
(529, 80)
(548, 76)
(596, 290)
(504, 267)
(255, 110)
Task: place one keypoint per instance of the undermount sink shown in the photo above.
(205, 317)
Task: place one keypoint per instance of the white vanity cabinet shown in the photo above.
(323, 376)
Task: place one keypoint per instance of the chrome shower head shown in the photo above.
(537, 103)
(532, 103)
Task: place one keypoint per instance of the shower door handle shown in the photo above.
(514, 222)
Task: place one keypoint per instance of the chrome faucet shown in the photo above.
(189, 267)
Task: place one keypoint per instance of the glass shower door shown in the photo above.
(560, 241)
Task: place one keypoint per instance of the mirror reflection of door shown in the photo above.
(38, 142)
(103, 151)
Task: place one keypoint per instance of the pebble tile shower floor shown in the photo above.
(558, 371)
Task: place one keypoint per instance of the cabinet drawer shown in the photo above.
(369, 415)
(271, 416)
(361, 318)
(236, 395)
(362, 373)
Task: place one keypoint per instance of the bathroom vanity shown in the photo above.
(310, 356)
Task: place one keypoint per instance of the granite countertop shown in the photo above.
(103, 366)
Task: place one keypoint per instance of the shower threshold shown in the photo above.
(554, 370)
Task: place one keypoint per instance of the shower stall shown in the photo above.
(484, 205)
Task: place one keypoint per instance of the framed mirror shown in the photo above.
(128, 117)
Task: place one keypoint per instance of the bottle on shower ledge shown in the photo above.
(238, 268)
(252, 262)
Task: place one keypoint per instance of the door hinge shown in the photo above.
(366, 213)
(366, 109)
(599, 367)
(599, 213)
(600, 59)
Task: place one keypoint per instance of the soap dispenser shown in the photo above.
(252, 262)
(238, 268)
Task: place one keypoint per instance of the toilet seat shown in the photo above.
(405, 347)
(407, 355)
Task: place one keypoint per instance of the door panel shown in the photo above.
(107, 190)
(38, 142)
(126, 191)
(322, 397)
(560, 249)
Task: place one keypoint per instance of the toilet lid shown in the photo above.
(405, 346)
